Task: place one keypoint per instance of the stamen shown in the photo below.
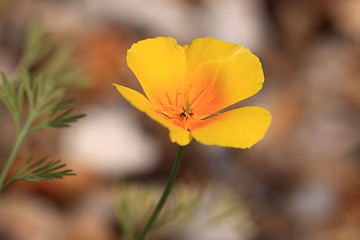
(165, 115)
(187, 110)
(181, 117)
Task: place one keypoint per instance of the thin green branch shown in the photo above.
(19, 140)
(43, 96)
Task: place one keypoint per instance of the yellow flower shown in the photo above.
(187, 86)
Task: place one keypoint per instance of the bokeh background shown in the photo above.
(301, 182)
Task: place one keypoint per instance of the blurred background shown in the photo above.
(301, 182)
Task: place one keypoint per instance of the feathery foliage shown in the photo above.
(35, 99)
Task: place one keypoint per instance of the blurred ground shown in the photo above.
(300, 182)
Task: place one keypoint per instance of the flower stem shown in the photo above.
(165, 194)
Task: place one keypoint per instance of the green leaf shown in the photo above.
(36, 45)
(60, 116)
(42, 169)
(12, 95)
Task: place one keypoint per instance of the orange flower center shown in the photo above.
(187, 110)
(181, 115)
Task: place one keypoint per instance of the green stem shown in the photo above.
(165, 194)
(18, 141)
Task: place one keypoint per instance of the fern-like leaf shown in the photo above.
(42, 169)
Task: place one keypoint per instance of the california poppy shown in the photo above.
(186, 88)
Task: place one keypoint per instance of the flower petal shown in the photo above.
(229, 69)
(177, 134)
(238, 128)
(159, 65)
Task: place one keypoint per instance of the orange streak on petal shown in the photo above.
(205, 93)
